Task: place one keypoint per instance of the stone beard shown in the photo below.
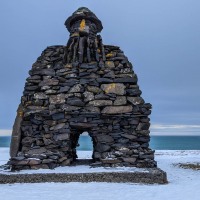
(84, 45)
(83, 86)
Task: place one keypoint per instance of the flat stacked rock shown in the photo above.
(84, 86)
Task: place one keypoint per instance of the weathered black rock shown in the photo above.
(83, 86)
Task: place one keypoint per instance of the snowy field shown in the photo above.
(183, 183)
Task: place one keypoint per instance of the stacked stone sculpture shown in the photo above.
(83, 86)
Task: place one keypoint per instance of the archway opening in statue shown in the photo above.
(84, 148)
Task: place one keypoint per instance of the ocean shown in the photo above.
(157, 142)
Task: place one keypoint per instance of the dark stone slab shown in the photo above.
(57, 99)
(126, 80)
(64, 136)
(88, 65)
(49, 82)
(116, 109)
(99, 103)
(80, 125)
(76, 88)
(94, 89)
(105, 138)
(32, 88)
(143, 126)
(104, 80)
(135, 100)
(66, 107)
(120, 100)
(37, 151)
(40, 96)
(149, 176)
(109, 75)
(88, 96)
(75, 102)
(116, 88)
(48, 72)
(70, 82)
(58, 116)
(102, 147)
(91, 109)
(64, 89)
(102, 96)
(134, 92)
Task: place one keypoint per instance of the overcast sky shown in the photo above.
(160, 37)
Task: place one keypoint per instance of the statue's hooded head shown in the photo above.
(83, 21)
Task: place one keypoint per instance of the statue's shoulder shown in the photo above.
(54, 48)
(114, 53)
(50, 56)
(111, 48)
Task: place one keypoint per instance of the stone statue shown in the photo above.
(83, 86)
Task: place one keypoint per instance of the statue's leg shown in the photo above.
(16, 133)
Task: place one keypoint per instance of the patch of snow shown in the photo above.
(183, 183)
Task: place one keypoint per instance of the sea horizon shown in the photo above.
(156, 142)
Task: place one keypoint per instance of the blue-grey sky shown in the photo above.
(160, 38)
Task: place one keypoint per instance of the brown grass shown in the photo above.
(194, 166)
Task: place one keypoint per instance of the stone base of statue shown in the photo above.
(110, 175)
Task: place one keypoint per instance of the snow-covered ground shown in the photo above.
(183, 183)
